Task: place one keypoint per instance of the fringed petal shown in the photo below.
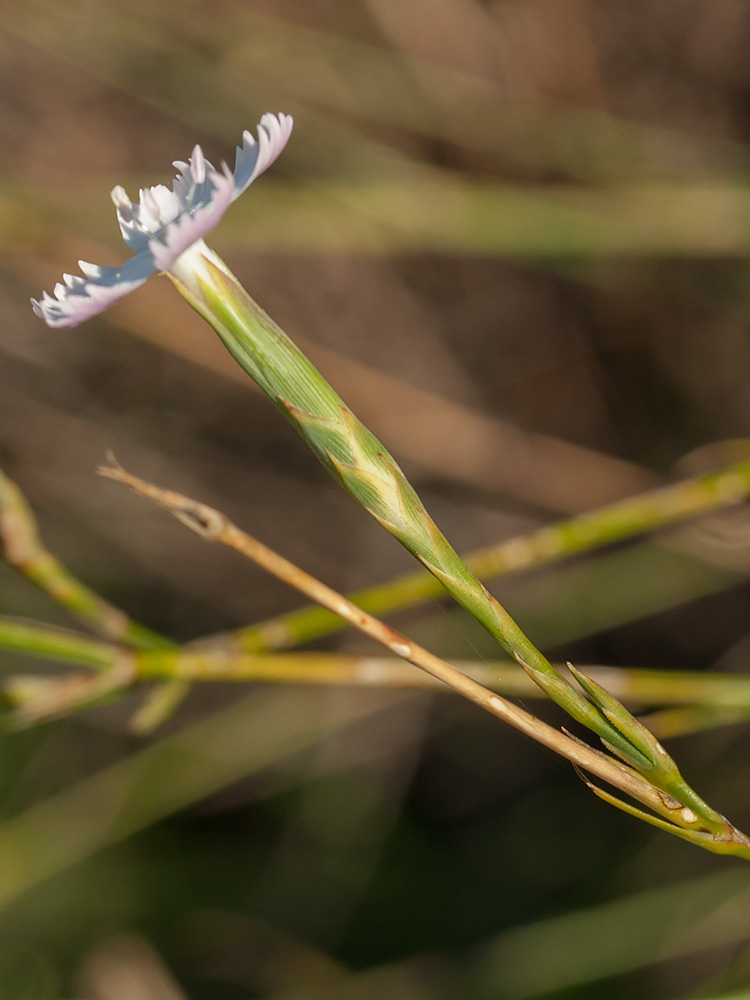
(162, 218)
(190, 227)
(164, 223)
(80, 298)
(253, 157)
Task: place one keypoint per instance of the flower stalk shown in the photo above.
(625, 519)
(165, 229)
(722, 694)
(22, 547)
(687, 816)
(366, 470)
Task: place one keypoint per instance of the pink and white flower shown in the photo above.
(164, 224)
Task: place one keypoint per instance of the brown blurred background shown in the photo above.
(513, 234)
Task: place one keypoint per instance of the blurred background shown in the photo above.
(513, 234)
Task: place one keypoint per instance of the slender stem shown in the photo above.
(712, 700)
(726, 692)
(706, 827)
(37, 639)
(22, 546)
(363, 466)
(641, 687)
(616, 522)
(683, 720)
(37, 699)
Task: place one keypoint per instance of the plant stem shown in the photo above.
(55, 643)
(363, 466)
(730, 692)
(366, 470)
(688, 817)
(616, 522)
(22, 547)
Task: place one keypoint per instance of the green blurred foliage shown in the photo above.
(527, 219)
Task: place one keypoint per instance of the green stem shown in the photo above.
(636, 686)
(363, 466)
(688, 815)
(616, 522)
(22, 546)
(361, 463)
(630, 684)
(684, 720)
(57, 644)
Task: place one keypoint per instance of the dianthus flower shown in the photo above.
(166, 227)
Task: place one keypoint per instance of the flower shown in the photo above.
(164, 224)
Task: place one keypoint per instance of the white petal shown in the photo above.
(85, 297)
(190, 227)
(198, 165)
(164, 223)
(194, 191)
(255, 157)
(90, 270)
(128, 216)
(191, 192)
(150, 210)
(120, 198)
